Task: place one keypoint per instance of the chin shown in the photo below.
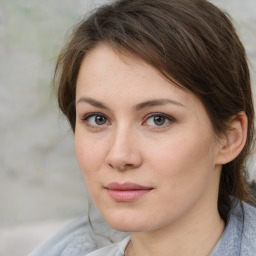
(124, 222)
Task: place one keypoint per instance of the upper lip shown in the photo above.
(126, 186)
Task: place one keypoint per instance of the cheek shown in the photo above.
(89, 153)
(184, 161)
(184, 173)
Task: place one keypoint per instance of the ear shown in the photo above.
(234, 139)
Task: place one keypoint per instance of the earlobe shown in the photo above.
(235, 139)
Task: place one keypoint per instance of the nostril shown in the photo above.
(123, 157)
(121, 166)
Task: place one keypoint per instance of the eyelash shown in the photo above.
(94, 114)
(167, 118)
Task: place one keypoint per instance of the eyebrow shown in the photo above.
(157, 102)
(149, 103)
(92, 102)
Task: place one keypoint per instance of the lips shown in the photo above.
(126, 192)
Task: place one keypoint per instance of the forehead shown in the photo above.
(106, 73)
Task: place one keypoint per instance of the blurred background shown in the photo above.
(41, 187)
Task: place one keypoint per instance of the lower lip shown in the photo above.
(127, 195)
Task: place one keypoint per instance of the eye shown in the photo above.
(158, 119)
(95, 119)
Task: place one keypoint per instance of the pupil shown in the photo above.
(159, 120)
(100, 120)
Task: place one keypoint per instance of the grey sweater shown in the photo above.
(79, 238)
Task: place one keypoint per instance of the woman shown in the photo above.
(158, 95)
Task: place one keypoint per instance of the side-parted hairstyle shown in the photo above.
(193, 44)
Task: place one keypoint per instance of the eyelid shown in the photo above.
(86, 116)
(91, 114)
(168, 117)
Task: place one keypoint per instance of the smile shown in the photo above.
(126, 192)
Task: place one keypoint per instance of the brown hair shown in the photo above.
(191, 42)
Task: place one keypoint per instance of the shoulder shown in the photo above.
(74, 239)
(248, 243)
(116, 249)
(77, 239)
(239, 237)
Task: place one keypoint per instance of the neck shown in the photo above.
(196, 234)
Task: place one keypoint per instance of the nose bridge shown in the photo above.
(123, 151)
(121, 141)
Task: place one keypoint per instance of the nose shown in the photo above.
(123, 152)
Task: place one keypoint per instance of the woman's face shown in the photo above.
(146, 148)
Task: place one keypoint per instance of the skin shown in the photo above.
(179, 159)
